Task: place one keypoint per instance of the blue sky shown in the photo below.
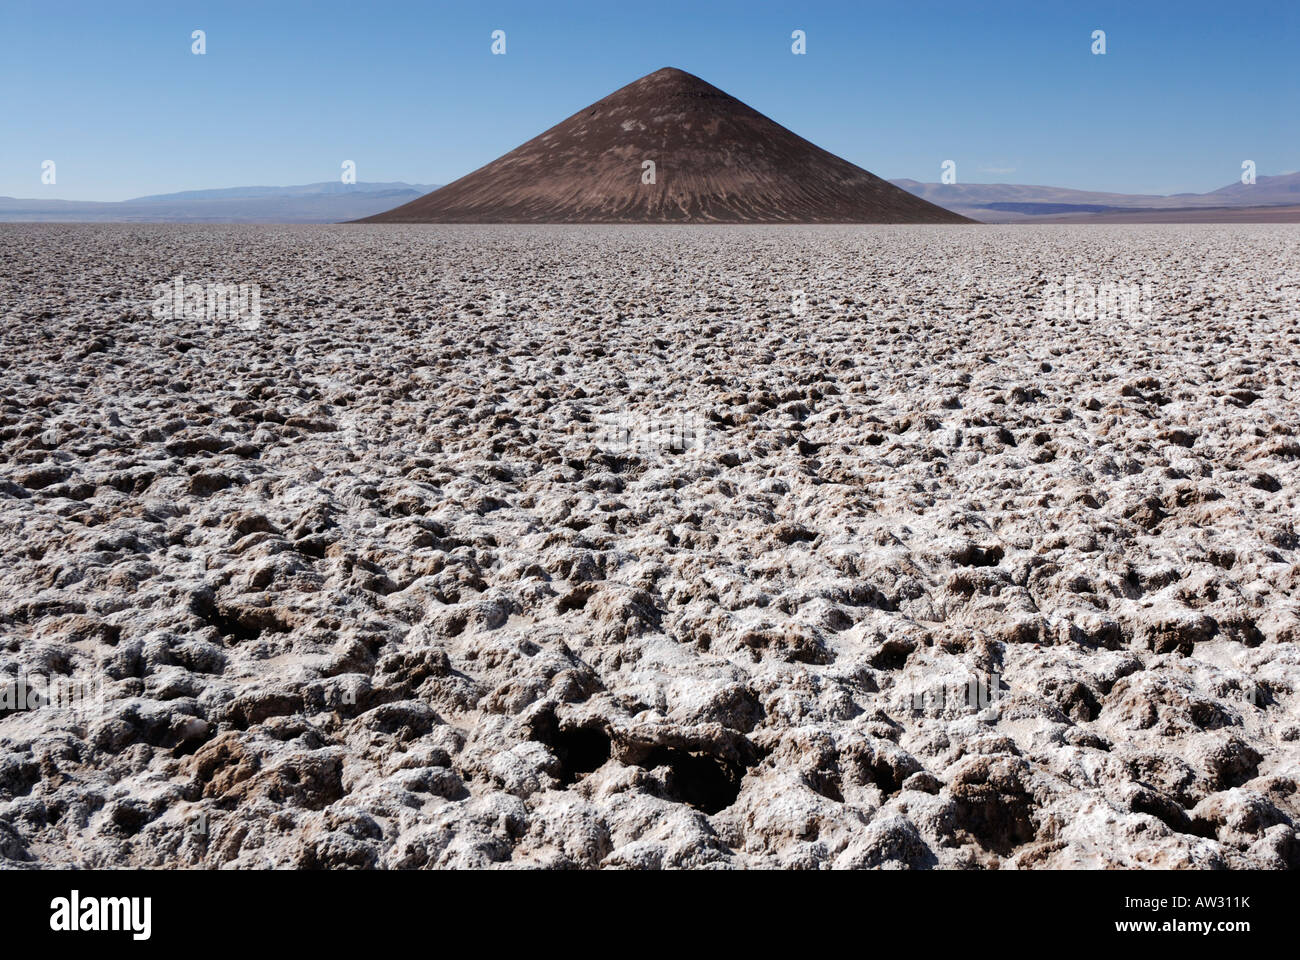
(410, 90)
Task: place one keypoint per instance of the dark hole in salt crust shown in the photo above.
(892, 655)
(580, 750)
(709, 784)
(576, 600)
(704, 782)
(207, 611)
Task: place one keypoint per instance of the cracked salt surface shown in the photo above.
(375, 584)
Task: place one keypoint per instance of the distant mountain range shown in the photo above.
(1269, 198)
(1274, 198)
(328, 202)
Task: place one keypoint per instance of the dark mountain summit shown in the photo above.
(715, 160)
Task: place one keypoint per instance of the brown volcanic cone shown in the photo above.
(716, 160)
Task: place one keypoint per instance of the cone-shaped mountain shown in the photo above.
(715, 160)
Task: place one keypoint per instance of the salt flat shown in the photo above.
(651, 547)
